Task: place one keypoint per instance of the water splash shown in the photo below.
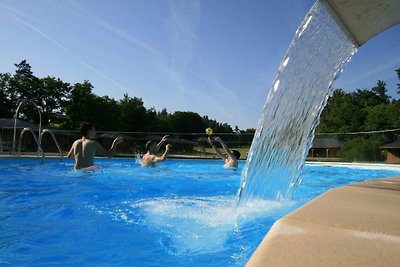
(199, 224)
(291, 112)
(138, 158)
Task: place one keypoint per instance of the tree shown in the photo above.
(187, 122)
(361, 149)
(80, 105)
(382, 117)
(49, 94)
(367, 98)
(83, 105)
(66, 105)
(342, 114)
(133, 114)
(52, 98)
(380, 91)
(164, 121)
(347, 112)
(250, 130)
(152, 120)
(216, 126)
(224, 128)
(398, 85)
(6, 109)
(107, 113)
(23, 85)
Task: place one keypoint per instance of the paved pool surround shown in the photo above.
(354, 225)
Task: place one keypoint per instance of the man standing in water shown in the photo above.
(150, 159)
(231, 160)
(84, 149)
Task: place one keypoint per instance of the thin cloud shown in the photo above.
(93, 69)
(18, 17)
(115, 30)
(13, 11)
(183, 18)
(382, 72)
(181, 26)
(226, 100)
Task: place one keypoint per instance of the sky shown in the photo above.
(214, 57)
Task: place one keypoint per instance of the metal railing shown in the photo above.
(28, 129)
(54, 139)
(16, 118)
(40, 149)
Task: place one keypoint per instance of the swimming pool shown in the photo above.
(180, 213)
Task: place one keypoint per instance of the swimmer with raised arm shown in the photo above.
(85, 149)
(150, 158)
(231, 159)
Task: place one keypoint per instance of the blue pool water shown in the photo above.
(180, 213)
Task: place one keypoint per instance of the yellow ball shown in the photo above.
(209, 131)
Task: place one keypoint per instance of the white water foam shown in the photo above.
(201, 224)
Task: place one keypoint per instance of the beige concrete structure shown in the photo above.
(363, 19)
(355, 225)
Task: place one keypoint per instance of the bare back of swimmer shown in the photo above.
(85, 149)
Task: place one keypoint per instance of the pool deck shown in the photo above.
(354, 225)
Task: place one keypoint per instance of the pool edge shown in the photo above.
(353, 225)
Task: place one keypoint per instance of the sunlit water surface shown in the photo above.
(180, 213)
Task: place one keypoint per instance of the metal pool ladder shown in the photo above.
(40, 148)
(54, 139)
(28, 129)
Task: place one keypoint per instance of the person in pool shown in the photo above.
(85, 149)
(231, 159)
(150, 158)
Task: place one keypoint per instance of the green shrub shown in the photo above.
(361, 149)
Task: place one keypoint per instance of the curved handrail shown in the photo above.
(16, 117)
(54, 139)
(27, 129)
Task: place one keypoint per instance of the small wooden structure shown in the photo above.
(325, 148)
(392, 152)
(6, 133)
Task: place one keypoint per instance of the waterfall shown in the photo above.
(291, 112)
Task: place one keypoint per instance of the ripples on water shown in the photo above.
(291, 112)
(180, 213)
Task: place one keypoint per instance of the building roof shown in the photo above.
(179, 141)
(151, 137)
(202, 139)
(327, 143)
(113, 135)
(395, 144)
(9, 123)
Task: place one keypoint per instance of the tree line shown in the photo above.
(364, 110)
(64, 106)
